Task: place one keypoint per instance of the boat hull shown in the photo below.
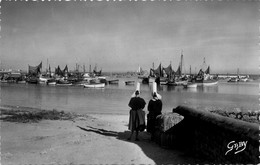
(52, 83)
(129, 82)
(207, 83)
(99, 85)
(64, 84)
(113, 81)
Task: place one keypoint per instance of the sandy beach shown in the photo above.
(85, 139)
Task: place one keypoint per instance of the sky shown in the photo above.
(121, 36)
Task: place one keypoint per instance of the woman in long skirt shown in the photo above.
(137, 115)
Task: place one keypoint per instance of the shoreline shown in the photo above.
(85, 139)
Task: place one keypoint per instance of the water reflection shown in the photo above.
(208, 89)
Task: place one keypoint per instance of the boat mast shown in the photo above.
(181, 61)
(204, 62)
(47, 66)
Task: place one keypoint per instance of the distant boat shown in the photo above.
(163, 81)
(233, 79)
(43, 80)
(63, 83)
(116, 81)
(244, 79)
(81, 83)
(94, 85)
(204, 78)
(32, 80)
(34, 72)
(52, 83)
(155, 74)
(129, 82)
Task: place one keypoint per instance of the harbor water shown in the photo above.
(114, 98)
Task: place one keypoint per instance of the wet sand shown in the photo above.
(85, 139)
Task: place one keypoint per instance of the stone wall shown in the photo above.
(212, 137)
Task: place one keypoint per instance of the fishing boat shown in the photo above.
(204, 78)
(129, 82)
(155, 74)
(33, 73)
(167, 75)
(94, 85)
(206, 81)
(178, 78)
(32, 80)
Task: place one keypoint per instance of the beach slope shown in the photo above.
(83, 139)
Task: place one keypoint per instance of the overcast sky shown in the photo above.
(120, 36)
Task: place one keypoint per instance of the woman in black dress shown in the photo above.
(137, 115)
(155, 109)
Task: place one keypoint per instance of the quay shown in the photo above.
(218, 139)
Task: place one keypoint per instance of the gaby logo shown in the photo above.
(236, 146)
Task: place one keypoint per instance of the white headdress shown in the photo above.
(155, 91)
(137, 89)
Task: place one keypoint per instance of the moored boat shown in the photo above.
(129, 82)
(32, 80)
(63, 83)
(204, 78)
(233, 79)
(163, 81)
(52, 83)
(94, 85)
(116, 81)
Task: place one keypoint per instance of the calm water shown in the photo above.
(115, 98)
